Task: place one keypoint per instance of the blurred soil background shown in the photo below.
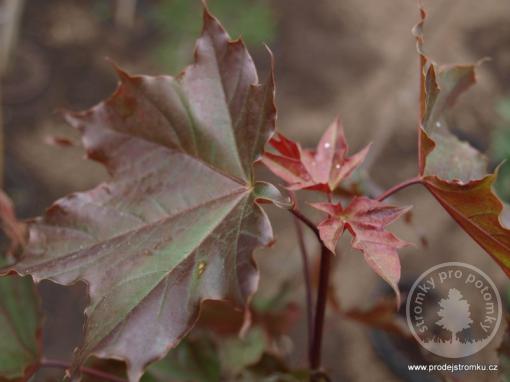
(351, 58)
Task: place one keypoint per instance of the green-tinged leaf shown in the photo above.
(20, 325)
(192, 361)
(266, 192)
(20, 347)
(503, 109)
(216, 351)
(178, 221)
(452, 170)
(207, 359)
(238, 353)
(271, 368)
(500, 149)
(450, 159)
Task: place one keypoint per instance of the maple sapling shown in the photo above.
(174, 228)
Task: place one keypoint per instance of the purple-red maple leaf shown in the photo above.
(366, 220)
(177, 222)
(321, 169)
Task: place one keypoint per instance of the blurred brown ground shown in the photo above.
(347, 57)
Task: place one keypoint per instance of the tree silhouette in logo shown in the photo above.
(455, 314)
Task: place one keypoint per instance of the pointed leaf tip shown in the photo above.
(122, 74)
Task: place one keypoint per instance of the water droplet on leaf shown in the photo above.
(201, 268)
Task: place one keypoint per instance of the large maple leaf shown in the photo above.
(321, 169)
(452, 170)
(178, 221)
(366, 220)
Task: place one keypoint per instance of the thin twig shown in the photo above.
(53, 363)
(308, 285)
(398, 187)
(307, 221)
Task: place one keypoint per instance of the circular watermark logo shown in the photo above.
(453, 310)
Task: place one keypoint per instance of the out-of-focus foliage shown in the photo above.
(229, 359)
(178, 20)
(20, 318)
(500, 149)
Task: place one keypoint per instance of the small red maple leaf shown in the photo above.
(322, 169)
(366, 220)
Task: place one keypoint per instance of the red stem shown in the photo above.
(320, 309)
(398, 187)
(52, 363)
(308, 286)
(322, 296)
(307, 222)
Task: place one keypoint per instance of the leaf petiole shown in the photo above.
(306, 221)
(400, 186)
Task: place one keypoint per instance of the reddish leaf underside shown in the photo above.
(178, 221)
(322, 169)
(453, 171)
(366, 220)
